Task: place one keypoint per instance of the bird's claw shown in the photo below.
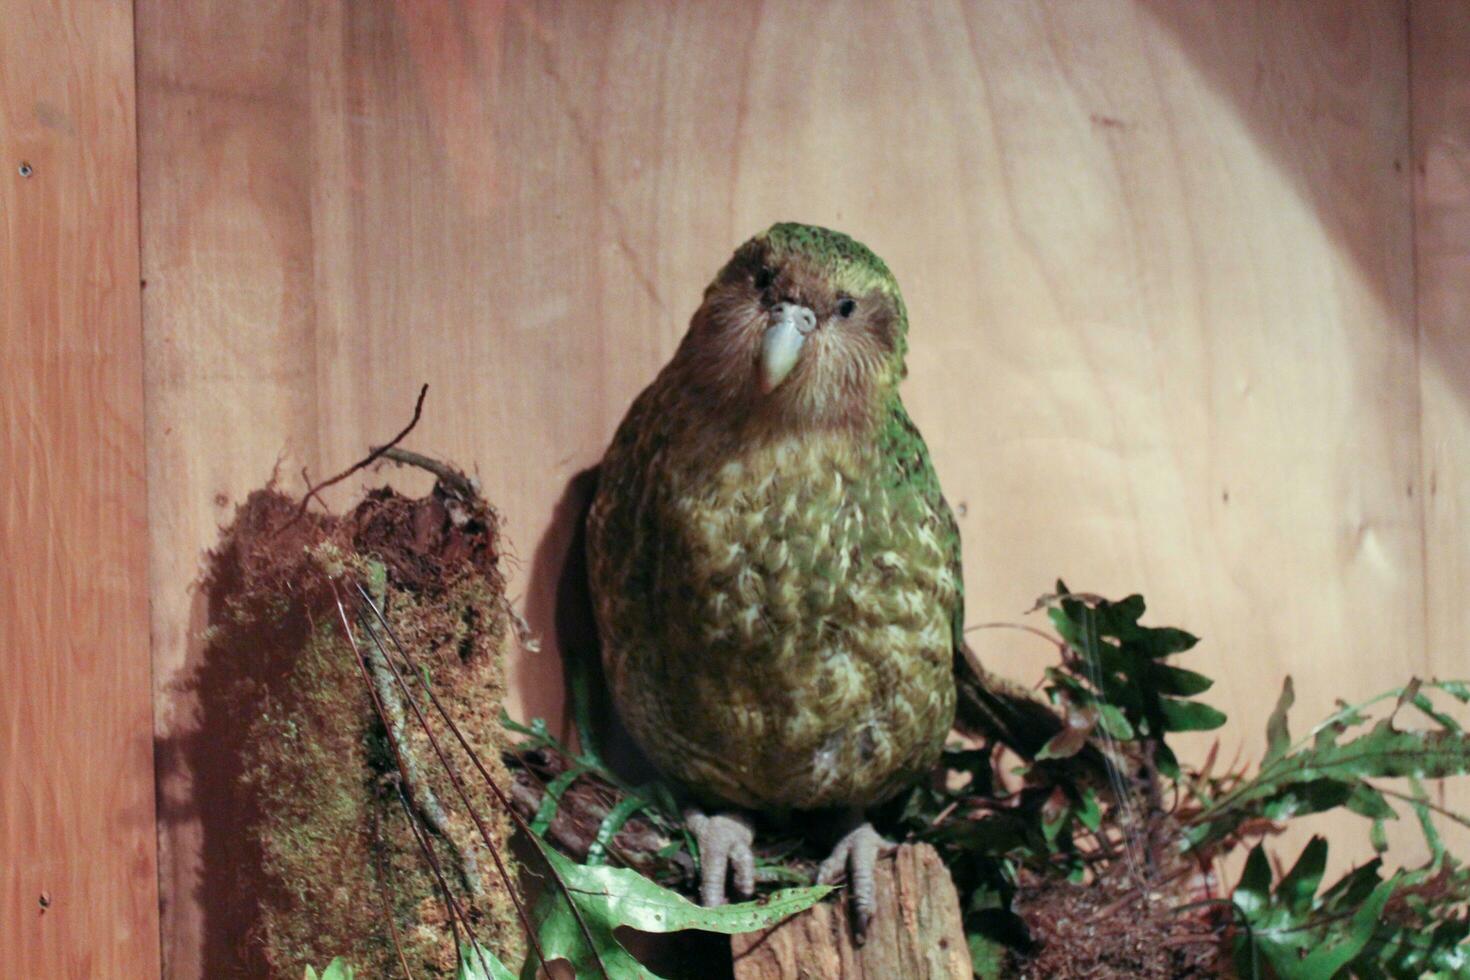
(724, 848)
(856, 855)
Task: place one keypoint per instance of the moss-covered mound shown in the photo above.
(314, 841)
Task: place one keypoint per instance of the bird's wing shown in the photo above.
(988, 706)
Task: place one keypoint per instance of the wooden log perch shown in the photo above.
(916, 931)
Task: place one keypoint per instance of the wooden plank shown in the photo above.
(1440, 87)
(1197, 373)
(917, 931)
(228, 315)
(78, 881)
(1158, 257)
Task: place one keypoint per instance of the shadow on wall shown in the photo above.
(1308, 113)
(559, 610)
(198, 776)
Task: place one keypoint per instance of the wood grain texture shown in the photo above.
(916, 933)
(76, 720)
(1158, 255)
(1440, 87)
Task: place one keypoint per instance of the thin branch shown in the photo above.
(451, 905)
(385, 875)
(314, 492)
(500, 795)
(453, 775)
(449, 769)
(1443, 811)
(1022, 627)
(443, 472)
(419, 790)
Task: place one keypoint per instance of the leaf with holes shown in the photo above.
(608, 898)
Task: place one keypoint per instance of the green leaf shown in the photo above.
(537, 734)
(1253, 893)
(1056, 815)
(1459, 690)
(1176, 680)
(478, 963)
(1342, 946)
(546, 812)
(1426, 822)
(579, 680)
(1190, 716)
(1064, 625)
(336, 970)
(1289, 928)
(1300, 799)
(1278, 734)
(1382, 752)
(611, 824)
(1307, 937)
(1089, 811)
(1426, 707)
(1163, 642)
(608, 898)
(1386, 752)
(1114, 722)
(1366, 801)
(1378, 837)
(1299, 887)
(987, 957)
(1166, 762)
(1353, 888)
(1121, 617)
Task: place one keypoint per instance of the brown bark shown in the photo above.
(916, 931)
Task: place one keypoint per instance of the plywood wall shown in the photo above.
(78, 881)
(1440, 96)
(1160, 258)
(1441, 99)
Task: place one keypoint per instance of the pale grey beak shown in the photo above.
(785, 335)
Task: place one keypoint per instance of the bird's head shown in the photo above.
(804, 327)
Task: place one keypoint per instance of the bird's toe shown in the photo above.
(857, 854)
(725, 851)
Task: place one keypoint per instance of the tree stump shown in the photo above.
(916, 931)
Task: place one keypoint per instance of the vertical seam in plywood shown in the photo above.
(143, 362)
(1423, 454)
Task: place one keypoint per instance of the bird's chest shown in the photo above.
(795, 560)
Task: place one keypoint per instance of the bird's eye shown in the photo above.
(846, 307)
(764, 278)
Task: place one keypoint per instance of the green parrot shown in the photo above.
(775, 572)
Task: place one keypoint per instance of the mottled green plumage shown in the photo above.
(776, 574)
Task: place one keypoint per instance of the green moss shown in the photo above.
(336, 855)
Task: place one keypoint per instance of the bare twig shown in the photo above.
(580, 812)
(451, 905)
(419, 791)
(500, 794)
(1022, 627)
(314, 492)
(448, 476)
(385, 875)
(510, 885)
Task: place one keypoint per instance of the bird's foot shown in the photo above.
(856, 854)
(724, 848)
